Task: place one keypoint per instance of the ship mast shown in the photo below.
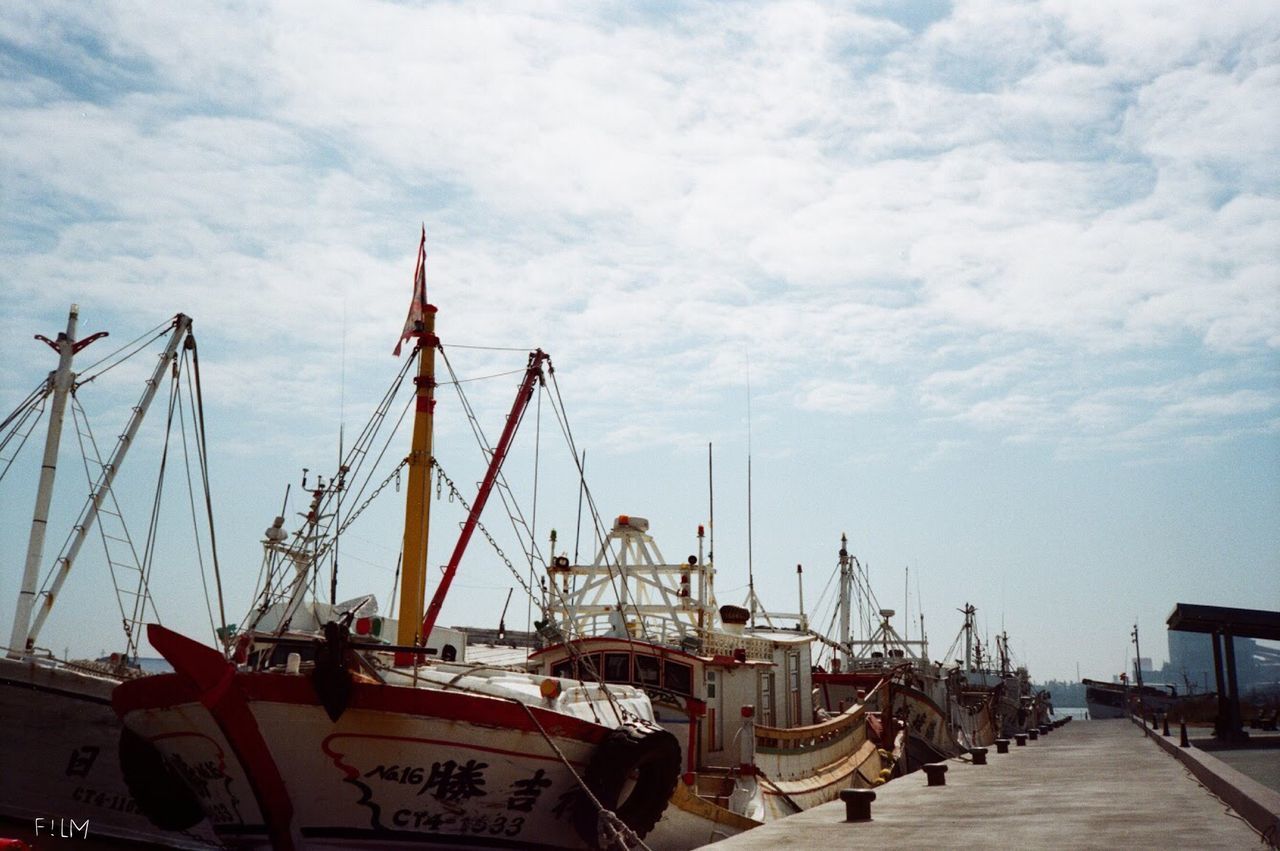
(846, 585)
(61, 381)
(417, 504)
(22, 639)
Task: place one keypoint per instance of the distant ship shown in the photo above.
(1109, 700)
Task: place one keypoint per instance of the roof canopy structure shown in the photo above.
(1245, 623)
(1224, 625)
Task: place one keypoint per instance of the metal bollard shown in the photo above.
(1002, 745)
(1044, 729)
(1185, 742)
(979, 755)
(1021, 739)
(1033, 734)
(937, 773)
(857, 804)
(1165, 720)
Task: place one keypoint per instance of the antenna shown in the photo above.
(906, 603)
(582, 484)
(337, 518)
(342, 417)
(751, 574)
(711, 508)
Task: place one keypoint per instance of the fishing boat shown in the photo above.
(731, 683)
(59, 735)
(1117, 700)
(345, 740)
(916, 692)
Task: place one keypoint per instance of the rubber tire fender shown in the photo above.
(637, 748)
(159, 792)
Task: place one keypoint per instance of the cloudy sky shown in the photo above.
(998, 282)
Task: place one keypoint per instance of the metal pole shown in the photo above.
(804, 622)
(533, 373)
(181, 326)
(846, 581)
(61, 379)
(1234, 731)
(417, 503)
(1221, 724)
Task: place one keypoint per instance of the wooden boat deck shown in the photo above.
(1088, 784)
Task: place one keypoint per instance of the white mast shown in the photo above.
(846, 584)
(61, 379)
(181, 327)
(968, 636)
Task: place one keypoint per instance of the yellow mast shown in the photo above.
(417, 504)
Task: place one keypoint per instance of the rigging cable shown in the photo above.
(33, 404)
(77, 413)
(137, 344)
(191, 501)
(562, 418)
(509, 503)
(203, 450)
(533, 527)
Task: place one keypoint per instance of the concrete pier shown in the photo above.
(1092, 784)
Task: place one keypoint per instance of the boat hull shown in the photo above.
(59, 745)
(401, 764)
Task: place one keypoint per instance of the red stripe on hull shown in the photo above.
(169, 690)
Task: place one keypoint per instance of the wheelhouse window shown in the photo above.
(563, 668)
(677, 676)
(647, 671)
(617, 667)
(589, 667)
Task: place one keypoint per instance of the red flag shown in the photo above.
(417, 307)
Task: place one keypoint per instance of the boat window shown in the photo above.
(677, 676)
(646, 670)
(563, 668)
(589, 667)
(765, 698)
(617, 667)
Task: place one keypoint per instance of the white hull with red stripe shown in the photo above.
(462, 758)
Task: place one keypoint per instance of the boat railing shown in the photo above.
(723, 644)
(793, 753)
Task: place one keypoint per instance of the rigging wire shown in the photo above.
(149, 545)
(137, 345)
(203, 450)
(191, 501)
(606, 550)
(533, 520)
(77, 417)
(509, 503)
(481, 377)
(493, 348)
(29, 411)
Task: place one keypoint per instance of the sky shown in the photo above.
(992, 288)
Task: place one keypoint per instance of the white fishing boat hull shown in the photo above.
(59, 756)
(423, 764)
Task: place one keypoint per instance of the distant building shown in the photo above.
(1190, 665)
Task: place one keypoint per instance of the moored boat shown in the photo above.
(734, 689)
(59, 736)
(344, 740)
